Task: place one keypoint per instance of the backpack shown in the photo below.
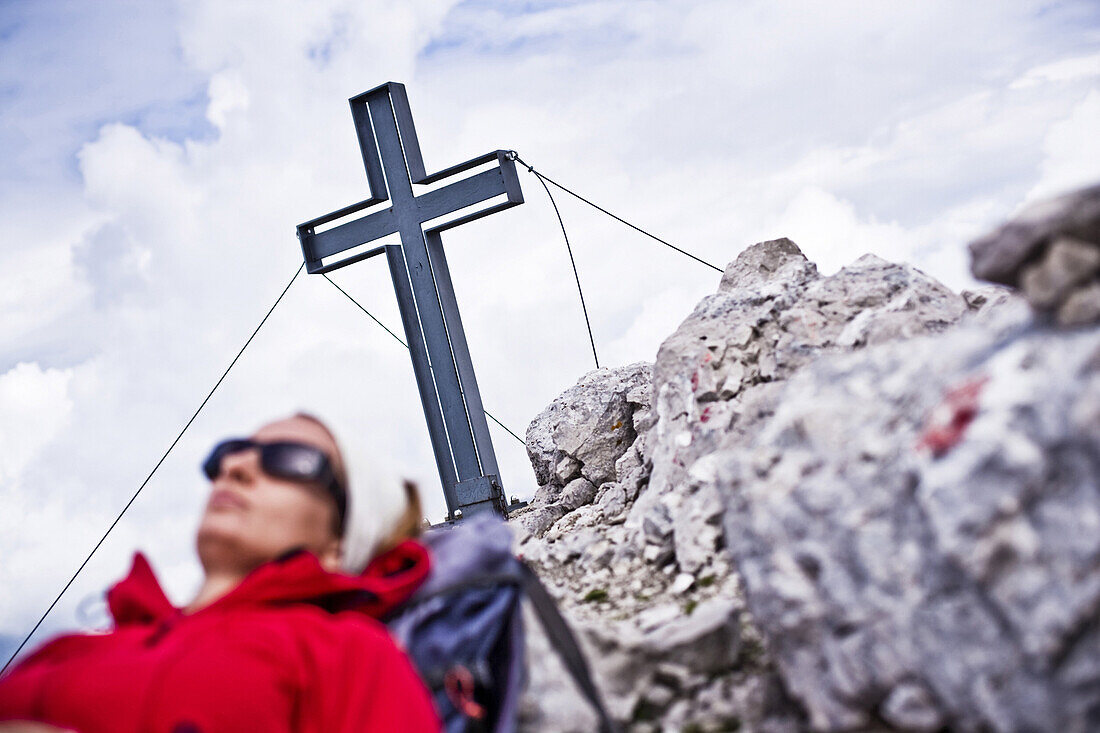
(463, 628)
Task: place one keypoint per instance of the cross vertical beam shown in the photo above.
(440, 355)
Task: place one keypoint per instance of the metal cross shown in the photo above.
(441, 359)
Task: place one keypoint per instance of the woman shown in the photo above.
(275, 640)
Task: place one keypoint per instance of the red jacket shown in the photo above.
(292, 648)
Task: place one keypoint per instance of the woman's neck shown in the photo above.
(215, 585)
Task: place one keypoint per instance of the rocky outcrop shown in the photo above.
(637, 564)
(855, 502)
(916, 532)
(1051, 252)
(722, 371)
(580, 443)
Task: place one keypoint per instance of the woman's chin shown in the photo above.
(223, 530)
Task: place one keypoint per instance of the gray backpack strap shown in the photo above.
(472, 596)
(565, 644)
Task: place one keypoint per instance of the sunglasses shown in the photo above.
(286, 460)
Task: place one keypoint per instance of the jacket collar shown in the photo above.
(386, 583)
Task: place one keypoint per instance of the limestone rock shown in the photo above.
(708, 640)
(1051, 252)
(917, 525)
(856, 502)
(773, 261)
(538, 518)
(986, 303)
(577, 443)
(1065, 264)
(1001, 255)
(713, 379)
(589, 426)
(577, 493)
(910, 706)
(1081, 307)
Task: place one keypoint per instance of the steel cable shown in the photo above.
(150, 476)
(402, 342)
(568, 248)
(544, 179)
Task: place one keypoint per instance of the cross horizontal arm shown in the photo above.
(318, 245)
(341, 213)
(472, 216)
(497, 181)
(473, 163)
(460, 194)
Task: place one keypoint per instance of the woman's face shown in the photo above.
(252, 517)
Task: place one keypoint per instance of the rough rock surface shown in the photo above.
(1051, 251)
(720, 373)
(856, 502)
(916, 530)
(577, 443)
(645, 556)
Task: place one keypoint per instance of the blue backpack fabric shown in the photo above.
(464, 630)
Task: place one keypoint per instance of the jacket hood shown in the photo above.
(385, 584)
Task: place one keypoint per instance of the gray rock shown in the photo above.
(681, 583)
(765, 263)
(551, 702)
(697, 522)
(1065, 264)
(658, 554)
(1001, 255)
(910, 707)
(540, 517)
(588, 427)
(923, 515)
(1081, 307)
(982, 297)
(577, 493)
(707, 641)
(669, 655)
(613, 502)
(658, 616)
(1052, 253)
(567, 469)
(657, 696)
(597, 555)
(657, 526)
(713, 378)
(839, 510)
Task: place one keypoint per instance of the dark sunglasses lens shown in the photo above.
(212, 466)
(293, 461)
(305, 463)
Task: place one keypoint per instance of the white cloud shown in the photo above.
(227, 94)
(36, 404)
(1072, 148)
(830, 232)
(1071, 69)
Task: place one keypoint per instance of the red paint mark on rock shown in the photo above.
(695, 381)
(705, 415)
(948, 422)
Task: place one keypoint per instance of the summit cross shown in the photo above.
(418, 267)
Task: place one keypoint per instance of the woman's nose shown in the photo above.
(239, 467)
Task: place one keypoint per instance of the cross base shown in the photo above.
(481, 494)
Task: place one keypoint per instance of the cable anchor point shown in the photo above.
(514, 156)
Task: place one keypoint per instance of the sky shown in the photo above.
(156, 158)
